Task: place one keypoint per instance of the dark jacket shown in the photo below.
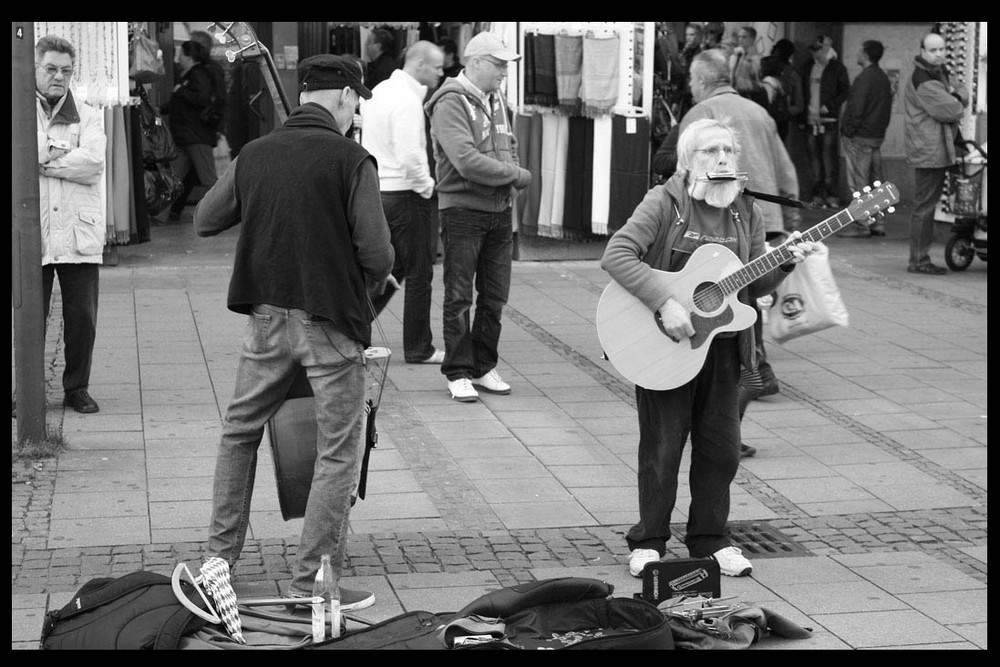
(833, 87)
(186, 104)
(869, 105)
(379, 70)
(303, 245)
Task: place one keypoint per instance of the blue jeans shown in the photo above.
(80, 287)
(478, 250)
(928, 186)
(277, 341)
(707, 409)
(415, 242)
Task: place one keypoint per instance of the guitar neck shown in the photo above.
(767, 262)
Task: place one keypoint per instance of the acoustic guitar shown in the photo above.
(633, 337)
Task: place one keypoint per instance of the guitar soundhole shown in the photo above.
(708, 297)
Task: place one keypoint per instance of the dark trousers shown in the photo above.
(928, 185)
(415, 241)
(822, 149)
(706, 408)
(79, 284)
(478, 247)
(194, 165)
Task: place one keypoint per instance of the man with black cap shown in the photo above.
(314, 246)
(477, 173)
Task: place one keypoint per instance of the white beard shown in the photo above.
(719, 194)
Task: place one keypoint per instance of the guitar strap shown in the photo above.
(784, 201)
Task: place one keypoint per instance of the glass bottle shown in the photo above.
(326, 586)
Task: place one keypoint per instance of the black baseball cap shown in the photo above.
(326, 71)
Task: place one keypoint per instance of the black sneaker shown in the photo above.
(746, 451)
(81, 401)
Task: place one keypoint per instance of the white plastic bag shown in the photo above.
(807, 300)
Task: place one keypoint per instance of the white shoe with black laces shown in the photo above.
(732, 562)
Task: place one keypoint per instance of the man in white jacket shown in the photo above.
(393, 132)
(71, 145)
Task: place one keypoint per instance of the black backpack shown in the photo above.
(136, 611)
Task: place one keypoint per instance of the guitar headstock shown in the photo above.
(874, 202)
(239, 36)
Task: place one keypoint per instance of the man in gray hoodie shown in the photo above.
(477, 174)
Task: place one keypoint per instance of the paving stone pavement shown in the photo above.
(870, 479)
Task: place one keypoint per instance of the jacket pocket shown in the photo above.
(89, 233)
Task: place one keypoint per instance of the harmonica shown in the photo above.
(724, 176)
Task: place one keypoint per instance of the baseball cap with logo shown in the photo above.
(488, 44)
(325, 71)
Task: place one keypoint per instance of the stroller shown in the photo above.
(967, 201)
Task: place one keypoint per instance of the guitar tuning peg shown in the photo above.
(856, 194)
(877, 184)
(891, 209)
(866, 189)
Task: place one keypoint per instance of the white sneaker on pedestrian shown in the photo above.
(462, 390)
(732, 563)
(492, 382)
(639, 558)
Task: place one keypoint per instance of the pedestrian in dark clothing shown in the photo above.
(452, 63)
(824, 87)
(381, 51)
(217, 108)
(866, 117)
(791, 82)
(195, 139)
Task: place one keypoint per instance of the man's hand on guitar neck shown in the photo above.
(798, 248)
(676, 320)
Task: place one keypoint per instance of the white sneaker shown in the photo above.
(639, 558)
(462, 390)
(492, 382)
(732, 563)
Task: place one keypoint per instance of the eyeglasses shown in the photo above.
(52, 70)
(498, 64)
(715, 151)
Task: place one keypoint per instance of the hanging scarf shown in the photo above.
(545, 71)
(529, 68)
(569, 62)
(599, 75)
